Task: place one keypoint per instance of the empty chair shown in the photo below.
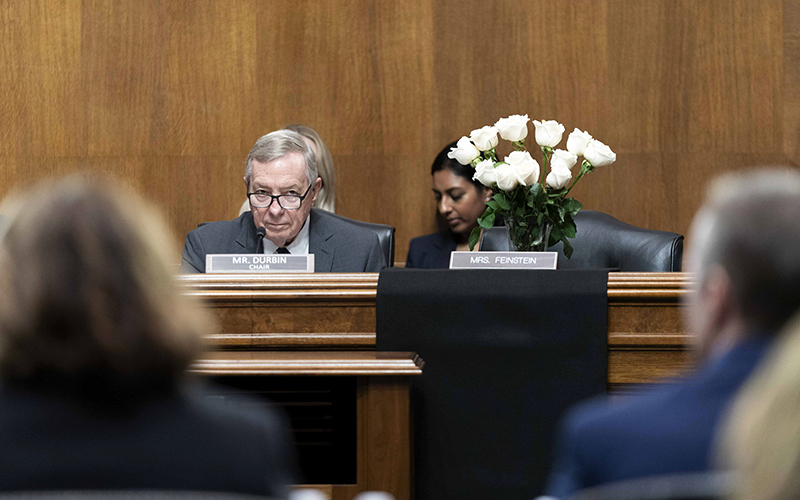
(605, 242)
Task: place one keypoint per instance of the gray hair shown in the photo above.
(277, 145)
(753, 232)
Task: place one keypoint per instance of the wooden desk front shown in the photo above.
(324, 324)
(646, 339)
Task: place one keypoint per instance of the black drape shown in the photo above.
(506, 352)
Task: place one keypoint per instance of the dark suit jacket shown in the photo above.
(431, 251)
(668, 431)
(337, 245)
(177, 441)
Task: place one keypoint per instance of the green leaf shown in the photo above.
(567, 248)
(569, 229)
(492, 204)
(555, 233)
(474, 236)
(572, 206)
(502, 201)
(487, 221)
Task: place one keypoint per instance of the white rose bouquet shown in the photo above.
(533, 203)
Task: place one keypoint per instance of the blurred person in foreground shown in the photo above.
(327, 173)
(95, 338)
(761, 442)
(460, 200)
(282, 186)
(744, 244)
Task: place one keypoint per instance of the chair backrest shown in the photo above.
(605, 242)
(385, 235)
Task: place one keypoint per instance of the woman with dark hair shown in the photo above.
(460, 201)
(95, 340)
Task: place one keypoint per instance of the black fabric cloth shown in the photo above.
(283, 250)
(177, 440)
(506, 353)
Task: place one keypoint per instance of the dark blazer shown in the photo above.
(431, 251)
(668, 431)
(178, 441)
(337, 245)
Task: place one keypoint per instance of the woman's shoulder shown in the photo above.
(439, 240)
(431, 251)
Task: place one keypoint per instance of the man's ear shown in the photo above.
(246, 187)
(315, 190)
(719, 290)
(719, 309)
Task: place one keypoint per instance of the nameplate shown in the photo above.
(503, 260)
(259, 263)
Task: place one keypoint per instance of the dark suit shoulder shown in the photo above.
(228, 236)
(342, 227)
(222, 233)
(431, 251)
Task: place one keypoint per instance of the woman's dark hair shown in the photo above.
(443, 162)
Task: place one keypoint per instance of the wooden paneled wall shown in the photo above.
(171, 94)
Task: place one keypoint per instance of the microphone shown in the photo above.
(260, 238)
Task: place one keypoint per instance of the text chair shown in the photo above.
(605, 242)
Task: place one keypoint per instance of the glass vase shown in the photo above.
(530, 238)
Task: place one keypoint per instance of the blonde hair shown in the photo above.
(327, 195)
(761, 441)
(86, 289)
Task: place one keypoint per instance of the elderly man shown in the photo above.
(282, 185)
(744, 254)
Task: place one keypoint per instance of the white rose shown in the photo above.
(558, 178)
(484, 138)
(464, 152)
(563, 159)
(598, 154)
(548, 133)
(577, 141)
(506, 180)
(514, 128)
(526, 169)
(484, 173)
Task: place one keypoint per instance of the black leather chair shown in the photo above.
(385, 235)
(605, 242)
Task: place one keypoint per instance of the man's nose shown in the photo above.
(275, 208)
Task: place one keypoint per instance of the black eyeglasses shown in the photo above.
(260, 199)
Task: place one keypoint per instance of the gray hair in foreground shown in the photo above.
(276, 145)
(753, 232)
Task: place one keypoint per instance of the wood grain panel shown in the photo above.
(41, 107)
(171, 94)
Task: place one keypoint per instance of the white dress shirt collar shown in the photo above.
(298, 247)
